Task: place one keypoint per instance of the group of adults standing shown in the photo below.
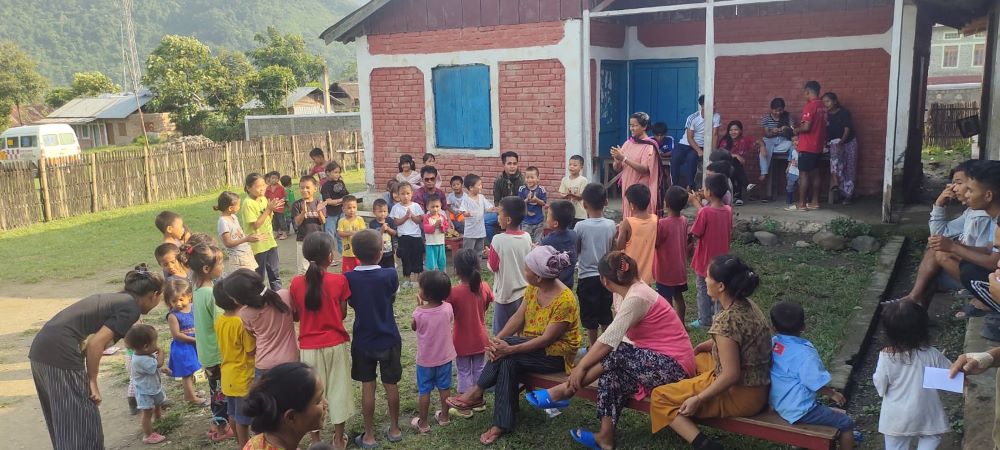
(825, 125)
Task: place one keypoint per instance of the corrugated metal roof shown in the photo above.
(105, 106)
(67, 120)
(294, 96)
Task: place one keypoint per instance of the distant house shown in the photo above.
(344, 96)
(303, 100)
(955, 68)
(110, 119)
(27, 114)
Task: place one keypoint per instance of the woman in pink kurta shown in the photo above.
(637, 161)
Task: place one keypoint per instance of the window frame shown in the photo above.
(32, 141)
(54, 137)
(944, 56)
(979, 50)
(957, 35)
(487, 148)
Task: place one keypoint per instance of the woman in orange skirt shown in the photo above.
(734, 366)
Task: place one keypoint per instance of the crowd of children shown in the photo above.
(230, 317)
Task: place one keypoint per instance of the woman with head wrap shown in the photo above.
(547, 326)
(644, 347)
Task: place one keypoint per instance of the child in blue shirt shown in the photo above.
(561, 238)
(797, 375)
(534, 196)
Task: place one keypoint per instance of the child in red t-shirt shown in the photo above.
(275, 191)
(713, 227)
(670, 261)
(469, 300)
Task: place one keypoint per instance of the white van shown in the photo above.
(34, 142)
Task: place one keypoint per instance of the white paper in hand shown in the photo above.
(935, 378)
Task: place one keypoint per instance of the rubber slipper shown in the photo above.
(969, 311)
(390, 438)
(360, 441)
(154, 438)
(492, 439)
(415, 424)
(796, 208)
(462, 405)
(467, 414)
(812, 207)
(584, 438)
(442, 418)
(539, 398)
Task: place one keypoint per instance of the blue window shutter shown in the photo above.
(462, 106)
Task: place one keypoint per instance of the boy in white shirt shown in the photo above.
(474, 208)
(571, 188)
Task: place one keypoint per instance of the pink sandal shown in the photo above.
(154, 438)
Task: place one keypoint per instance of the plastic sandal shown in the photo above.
(795, 208)
(539, 398)
(442, 418)
(390, 437)
(969, 311)
(415, 424)
(360, 441)
(154, 438)
(584, 438)
(461, 405)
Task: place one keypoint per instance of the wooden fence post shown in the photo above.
(146, 175)
(229, 170)
(329, 146)
(187, 175)
(43, 181)
(92, 158)
(295, 157)
(263, 155)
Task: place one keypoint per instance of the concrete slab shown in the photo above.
(980, 394)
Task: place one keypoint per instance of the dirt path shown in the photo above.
(24, 310)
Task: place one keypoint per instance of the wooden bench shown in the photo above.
(355, 154)
(767, 425)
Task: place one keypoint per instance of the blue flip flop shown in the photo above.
(584, 438)
(539, 398)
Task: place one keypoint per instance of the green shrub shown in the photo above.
(141, 140)
(847, 227)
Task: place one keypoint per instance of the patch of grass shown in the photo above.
(30, 332)
(83, 246)
(848, 227)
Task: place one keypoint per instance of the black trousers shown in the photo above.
(504, 373)
(411, 254)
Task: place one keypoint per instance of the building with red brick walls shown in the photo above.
(470, 79)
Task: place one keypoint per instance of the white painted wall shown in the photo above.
(567, 51)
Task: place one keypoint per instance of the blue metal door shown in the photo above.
(612, 107)
(665, 89)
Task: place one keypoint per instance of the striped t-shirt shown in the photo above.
(768, 121)
(695, 122)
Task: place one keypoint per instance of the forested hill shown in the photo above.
(67, 36)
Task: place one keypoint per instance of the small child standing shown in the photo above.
(391, 194)
(147, 360)
(637, 235)
(333, 192)
(474, 208)
(534, 196)
(910, 413)
(256, 216)
(469, 301)
(436, 225)
(432, 320)
(183, 355)
(506, 260)
(276, 192)
(237, 347)
(713, 228)
(797, 375)
(286, 183)
(172, 226)
(561, 238)
(792, 176)
(238, 252)
(309, 217)
(206, 265)
(408, 172)
(455, 198)
(349, 225)
(318, 170)
(594, 236)
(387, 229)
(408, 216)
(571, 187)
(670, 262)
(376, 343)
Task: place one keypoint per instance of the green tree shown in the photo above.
(286, 50)
(350, 72)
(227, 91)
(271, 86)
(93, 83)
(20, 82)
(59, 96)
(178, 71)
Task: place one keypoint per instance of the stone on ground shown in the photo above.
(766, 239)
(745, 237)
(865, 244)
(801, 244)
(828, 241)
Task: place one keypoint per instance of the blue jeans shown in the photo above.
(331, 228)
(267, 267)
(683, 165)
(706, 307)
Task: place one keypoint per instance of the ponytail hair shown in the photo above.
(287, 386)
(316, 249)
(198, 257)
(226, 199)
(467, 267)
(140, 281)
(618, 267)
(247, 287)
(739, 279)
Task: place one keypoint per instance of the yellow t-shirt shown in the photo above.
(562, 309)
(250, 211)
(236, 346)
(357, 224)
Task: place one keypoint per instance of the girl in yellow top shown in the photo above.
(348, 226)
(237, 348)
(548, 322)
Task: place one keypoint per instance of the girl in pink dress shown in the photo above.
(637, 160)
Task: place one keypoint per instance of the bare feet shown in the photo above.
(490, 436)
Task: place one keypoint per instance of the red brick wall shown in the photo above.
(604, 34)
(466, 39)
(532, 122)
(397, 104)
(796, 25)
(859, 77)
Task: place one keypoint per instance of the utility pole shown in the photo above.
(326, 89)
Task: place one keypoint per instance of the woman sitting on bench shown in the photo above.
(548, 325)
(734, 366)
(644, 347)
